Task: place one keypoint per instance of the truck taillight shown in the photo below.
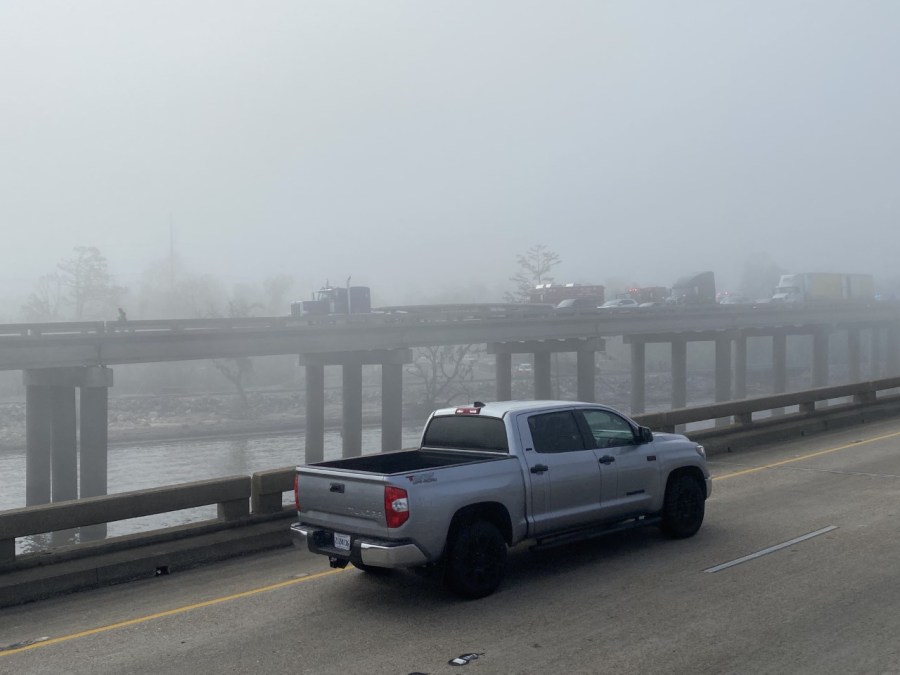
(396, 506)
(297, 491)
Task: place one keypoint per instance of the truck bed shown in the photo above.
(409, 460)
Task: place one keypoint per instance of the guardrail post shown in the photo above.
(744, 419)
(232, 510)
(865, 397)
(268, 488)
(7, 550)
(807, 408)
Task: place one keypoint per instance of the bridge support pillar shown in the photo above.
(391, 406)
(541, 351)
(723, 375)
(503, 374)
(585, 365)
(38, 443)
(391, 361)
(820, 357)
(779, 367)
(854, 369)
(52, 432)
(542, 386)
(94, 450)
(875, 353)
(679, 373)
(893, 350)
(315, 413)
(351, 425)
(638, 377)
(740, 367)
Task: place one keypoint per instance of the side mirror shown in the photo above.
(646, 435)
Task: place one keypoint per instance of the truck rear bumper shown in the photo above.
(365, 550)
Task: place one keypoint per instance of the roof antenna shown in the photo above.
(478, 404)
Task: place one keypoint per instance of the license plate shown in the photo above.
(342, 541)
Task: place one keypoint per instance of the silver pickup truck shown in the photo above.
(488, 476)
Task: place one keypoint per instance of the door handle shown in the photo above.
(607, 459)
(539, 468)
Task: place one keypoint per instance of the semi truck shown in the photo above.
(810, 287)
(488, 476)
(335, 300)
(696, 289)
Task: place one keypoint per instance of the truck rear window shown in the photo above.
(466, 432)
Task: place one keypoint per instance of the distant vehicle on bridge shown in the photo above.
(825, 287)
(647, 294)
(335, 300)
(697, 289)
(557, 293)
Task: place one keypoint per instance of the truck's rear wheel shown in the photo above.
(684, 506)
(476, 560)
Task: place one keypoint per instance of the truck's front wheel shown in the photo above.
(684, 506)
(476, 559)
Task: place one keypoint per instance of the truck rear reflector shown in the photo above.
(396, 506)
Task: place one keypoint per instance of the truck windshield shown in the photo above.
(466, 432)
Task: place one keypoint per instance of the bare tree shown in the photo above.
(445, 374)
(760, 276)
(534, 268)
(88, 284)
(45, 303)
(238, 371)
(276, 289)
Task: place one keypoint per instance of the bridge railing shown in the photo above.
(244, 500)
(735, 425)
(232, 495)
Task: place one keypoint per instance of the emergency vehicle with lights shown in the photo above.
(486, 477)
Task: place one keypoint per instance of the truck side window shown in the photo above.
(608, 429)
(555, 432)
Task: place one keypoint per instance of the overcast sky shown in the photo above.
(421, 145)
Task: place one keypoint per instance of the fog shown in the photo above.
(420, 146)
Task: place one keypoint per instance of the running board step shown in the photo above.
(592, 532)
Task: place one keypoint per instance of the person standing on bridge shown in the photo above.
(122, 317)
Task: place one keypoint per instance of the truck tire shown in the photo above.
(684, 506)
(476, 560)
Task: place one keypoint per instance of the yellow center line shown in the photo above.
(754, 469)
(169, 612)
